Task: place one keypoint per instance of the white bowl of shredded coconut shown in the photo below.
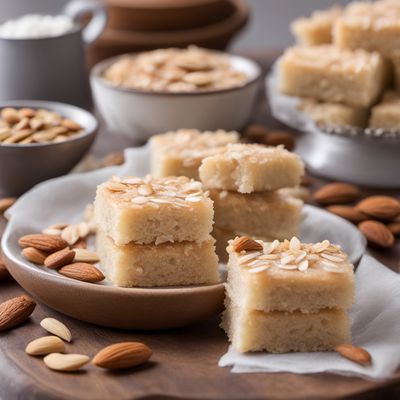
(33, 26)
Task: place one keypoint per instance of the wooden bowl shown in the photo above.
(126, 308)
(160, 15)
(214, 36)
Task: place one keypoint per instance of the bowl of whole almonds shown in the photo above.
(40, 140)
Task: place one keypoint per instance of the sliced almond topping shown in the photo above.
(140, 200)
(294, 244)
(288, 267)
(244, 259)
(303, 266)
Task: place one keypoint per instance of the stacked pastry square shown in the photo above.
(287, 296)
(244, 182)
(155, 232)
(346, 62)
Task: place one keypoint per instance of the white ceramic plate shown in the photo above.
(63, 199)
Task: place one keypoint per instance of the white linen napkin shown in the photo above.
(375, 327)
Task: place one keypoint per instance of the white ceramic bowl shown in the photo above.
(141, 114)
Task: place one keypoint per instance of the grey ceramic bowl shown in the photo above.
(24, 165)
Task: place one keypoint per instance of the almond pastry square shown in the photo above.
(287, 296)
(148, 210)
(386, 114)
(283, 332)
(317, 29)
(372, 26)
(248, 168)
(329, 74)
(166, 264)
(180, 153)
(290, 276)
(333, 114)
(263, 215)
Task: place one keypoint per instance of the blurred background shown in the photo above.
(268, 27)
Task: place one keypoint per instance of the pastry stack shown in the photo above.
(287, 296)
(346, 66)
(155, 232)
(244, 181)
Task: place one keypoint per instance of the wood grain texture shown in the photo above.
(184, 364)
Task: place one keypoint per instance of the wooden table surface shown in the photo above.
(184, 365)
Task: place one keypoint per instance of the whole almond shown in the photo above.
(276, 138)
(45, 345)
(246, 243)
(336, 192)
(72, 125)
(376, 233)
(26, 112)
(122, 355)
(87, 256)
(34, 255)
(256, 133)
(6, 203)
(356, 354)
(57, 328)
(10, 115)
(59, 258)
(15, 311)
(381, 207)
(82, 272)
(40, 241)
(65, 362)
(350, 213)
(394, 227)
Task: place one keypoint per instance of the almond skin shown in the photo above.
(82, 272)
(34, 255)
(376, 233)
(15, 311)
(337, 192)
(45, 345)
(381, 207)
(122, 355)
(350, 213)
(356, 354)
(40, 241)
(59, 258)
(245, 243)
